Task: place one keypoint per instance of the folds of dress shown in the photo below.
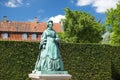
(49, 58)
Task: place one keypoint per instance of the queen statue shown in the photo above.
(49, 58)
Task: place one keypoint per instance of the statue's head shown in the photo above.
(50, 24)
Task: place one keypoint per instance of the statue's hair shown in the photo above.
(49, 21)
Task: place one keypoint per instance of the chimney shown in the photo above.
(35, 19)
(5, 18)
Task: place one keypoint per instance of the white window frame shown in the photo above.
(5, 35)
(24, 36)
(34, 36)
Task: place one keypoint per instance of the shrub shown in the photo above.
(82, 61)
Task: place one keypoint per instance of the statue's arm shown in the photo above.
(43, 41)
(57, 39)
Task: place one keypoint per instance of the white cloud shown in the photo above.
(14, 3)
(57, 19)
(19, 1)
(100, 5)
(103, 5)
(84, 2)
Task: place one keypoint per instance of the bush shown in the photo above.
(116, 62)
(17, 59)
(87, 61)
(82, 61)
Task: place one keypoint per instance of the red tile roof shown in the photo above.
(27, 26)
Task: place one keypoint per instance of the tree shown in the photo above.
(80, 27)
(113, 21)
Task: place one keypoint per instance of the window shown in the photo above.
(24, 36)
(5, 35)
(34, 36)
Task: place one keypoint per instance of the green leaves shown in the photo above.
(80, 27)
(113, 20)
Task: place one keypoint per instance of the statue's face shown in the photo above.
(50, 25)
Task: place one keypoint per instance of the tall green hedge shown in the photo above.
(17, 59)
(86, 61)
(82, 61)
(115, 65)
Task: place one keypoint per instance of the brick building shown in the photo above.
(24, 31)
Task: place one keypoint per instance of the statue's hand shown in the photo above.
(57, 39)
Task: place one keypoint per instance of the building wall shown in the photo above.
(16, 36)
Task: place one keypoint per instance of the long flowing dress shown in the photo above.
(49, 58)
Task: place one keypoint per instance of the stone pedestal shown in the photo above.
(50, 76)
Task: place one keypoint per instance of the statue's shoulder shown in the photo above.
(45, 31)
(54, 31)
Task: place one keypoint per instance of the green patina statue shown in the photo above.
(49, 59)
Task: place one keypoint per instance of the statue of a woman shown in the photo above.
(49, 58)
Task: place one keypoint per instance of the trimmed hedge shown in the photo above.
(116, 62)
(82, 61)
(17, 59)
(87, 62)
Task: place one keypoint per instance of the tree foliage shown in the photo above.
(80, 27)
(113, 20)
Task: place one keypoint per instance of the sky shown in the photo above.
(44, 10)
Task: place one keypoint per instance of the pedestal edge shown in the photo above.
(49, 76)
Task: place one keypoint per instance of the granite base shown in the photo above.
(50, 76)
